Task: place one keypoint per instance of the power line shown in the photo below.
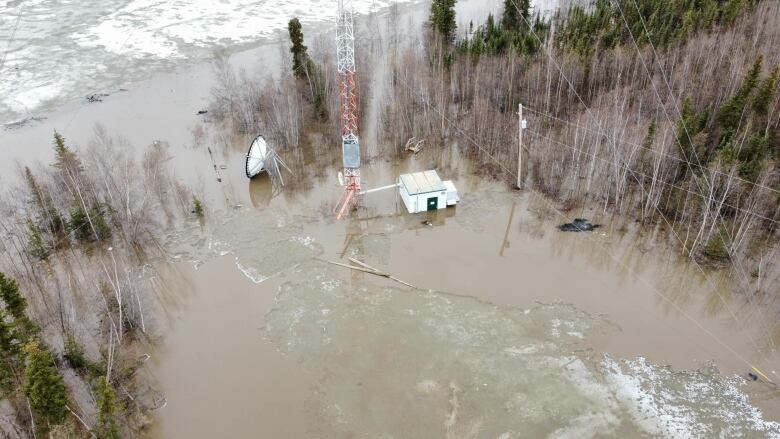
(634, 174)
(614, 258)
(541, 43)
(628, 168)
(661, 153)
(655, 90)
(571, 86)
(716, 216)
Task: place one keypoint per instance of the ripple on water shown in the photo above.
(413, 364)
(264, 243)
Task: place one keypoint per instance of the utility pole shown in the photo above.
(521, 125)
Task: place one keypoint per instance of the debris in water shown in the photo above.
(579, 225)
(96, 97)
(22, 123)
(414, 145)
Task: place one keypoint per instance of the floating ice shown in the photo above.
(458, 367)
(65, 50)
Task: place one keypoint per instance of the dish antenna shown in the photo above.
(260, 158)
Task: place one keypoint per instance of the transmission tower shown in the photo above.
(348, 102)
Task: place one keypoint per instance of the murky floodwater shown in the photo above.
(514, 330)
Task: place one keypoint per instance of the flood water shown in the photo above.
(513, 329)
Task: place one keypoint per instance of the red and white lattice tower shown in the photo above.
(348, 101)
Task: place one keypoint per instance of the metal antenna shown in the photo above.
(348, 103)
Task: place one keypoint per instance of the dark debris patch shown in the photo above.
(578, 225)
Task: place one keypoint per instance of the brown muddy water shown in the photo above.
(514, 329)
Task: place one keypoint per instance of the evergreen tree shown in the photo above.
(688, 127)
(65, 158)
(731, 113)
(44, 387)
(732, 9)
(79, 224)
(99, 222)
(442, 18)
(107, 408)
(716, 249)
(516, 13)
(42, 201)
(74, 355)
(15, 304)
(298, 49)
(9, 337)
(6, 377)
(765, 93)
(35, 191)
(36, 246)
(197, 207)
(752, 156)
(9, 353)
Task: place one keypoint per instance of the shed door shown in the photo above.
(433, 203)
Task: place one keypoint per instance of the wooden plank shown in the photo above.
(365, 270)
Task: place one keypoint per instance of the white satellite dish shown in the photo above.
(260, 158)
(256, 157)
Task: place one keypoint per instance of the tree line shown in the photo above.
(72, 307)
(662, 112)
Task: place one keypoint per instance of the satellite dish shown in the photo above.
(256, 157)
(261, 158)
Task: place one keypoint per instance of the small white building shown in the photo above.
(424, 191)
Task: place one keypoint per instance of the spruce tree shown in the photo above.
(107, 408)
(36, 246)
(15, 304)
(9, 337)
(516, 14)
(6, 377)
(765, 93)
(442, 18)
(9, 353)
(35, 191)
(730, 113)
(298, 49)
(65, 158)
(42, 201)
(44, 387)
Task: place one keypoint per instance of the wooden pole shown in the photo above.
(520, 147)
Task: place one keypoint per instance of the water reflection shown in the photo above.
(261, 190)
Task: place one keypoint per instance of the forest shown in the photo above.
(664, 113)
(78, 306)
